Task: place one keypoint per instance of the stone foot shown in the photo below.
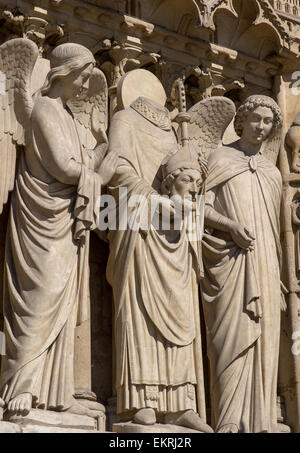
(145, 416)
(188, 419)
(229, 428)
(20, 405)
(80, 409)
(92, 405)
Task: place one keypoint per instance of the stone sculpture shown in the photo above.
(53, 208)
(242, 290)
(159, 376)
(292, 141)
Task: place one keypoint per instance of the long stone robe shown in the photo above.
(154, 281)
(46, 279)
(241, 291)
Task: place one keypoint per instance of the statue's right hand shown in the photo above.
(108, 167)
(242, 236)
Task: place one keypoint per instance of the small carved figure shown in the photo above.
(53, 208)
(293, 143)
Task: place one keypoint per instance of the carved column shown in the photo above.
(289, 367)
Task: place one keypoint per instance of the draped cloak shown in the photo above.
(46, 278)
(158, 344)
(241, 291)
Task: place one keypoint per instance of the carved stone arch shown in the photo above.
(172, 14)
(249, 27)
(185, 24)
(260, 40)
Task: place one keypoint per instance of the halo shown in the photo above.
(139, 82)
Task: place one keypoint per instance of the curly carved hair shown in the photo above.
(250, 104)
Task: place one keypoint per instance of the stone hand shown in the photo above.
(108, 167)
(189, 206)
(242, 236)
(167, 207)
(183, 205)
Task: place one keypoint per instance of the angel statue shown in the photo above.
(154, 272)
(53, 208)
(241, 289)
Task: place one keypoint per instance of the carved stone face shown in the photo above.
(187, 184)
(258, 125)
(76, 80)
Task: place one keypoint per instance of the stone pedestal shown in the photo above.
(55, 420)
(131, 428)
(15, 428)
(36, 429)
(9, 428)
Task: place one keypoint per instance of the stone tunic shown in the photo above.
(158, 344)
(241, 291)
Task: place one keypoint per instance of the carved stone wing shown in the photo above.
(271, 146)
(209, 120)
(17, 60)
(90, 111)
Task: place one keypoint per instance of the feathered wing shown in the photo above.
(209, 120)
(90, 111)
(17, 60)
(271, 146)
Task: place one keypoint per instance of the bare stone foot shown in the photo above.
(188, 419)
(229, 428)
(92, 405)
(145, 416)
(79, 409)
(20, 405)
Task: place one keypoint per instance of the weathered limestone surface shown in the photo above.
(130, 428)
(209, 57)
(37, 417)
(9, 428)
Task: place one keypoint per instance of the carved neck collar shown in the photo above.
(153, 112)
